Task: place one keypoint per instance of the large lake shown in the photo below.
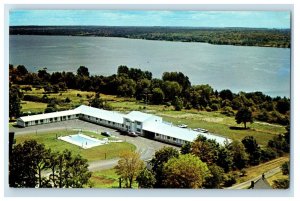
(223, 67)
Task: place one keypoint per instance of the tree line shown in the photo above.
(202, 164)
(221, 36)
(173, 89)
(32, 165)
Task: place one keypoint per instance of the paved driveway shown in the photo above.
(144, 146)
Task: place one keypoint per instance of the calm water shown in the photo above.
(233, 67)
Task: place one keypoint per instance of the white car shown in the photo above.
(182, 126)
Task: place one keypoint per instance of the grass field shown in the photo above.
(215, 122)
(106, 179)
(28, 106)
(258, 170)
(111, 150)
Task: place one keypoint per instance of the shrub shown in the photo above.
(79, 95)
(229, 180)
(214, 107)
(67, 100)
(228, 111)
(208, 109)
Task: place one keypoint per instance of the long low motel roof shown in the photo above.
(180, 133)
(49, 115)
(101, 114)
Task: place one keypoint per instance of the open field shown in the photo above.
(28, 106)
(108, 151)
(215, 122)
(258, 170)
(106, 179)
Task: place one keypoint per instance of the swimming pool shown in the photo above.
(82, 140)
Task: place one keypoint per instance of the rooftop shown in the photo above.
(180, 133)
(101, 114)
(139, 116)
(48, 115)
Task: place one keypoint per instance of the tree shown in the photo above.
(146, 179)
(186, 171)
(244, 115)
(44, 75)
(162, 156)
(283, 105)
(207, 151)
(26, 164)
(239, 155)
(226, 94)
(83, 71)
(157, 96)
(30, 159)
(253, 149)
(279, 144)
(22, 71)
(171, 90)
(14, 102)
(225, 159)
(186, 148)
(285, 168)
(97, 103)
(177, 103)
(216, 178)
(129, 167)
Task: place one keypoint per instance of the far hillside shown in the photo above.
(221, 36)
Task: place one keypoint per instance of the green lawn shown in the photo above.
(111, 150)
(106, 179)
(33, 106)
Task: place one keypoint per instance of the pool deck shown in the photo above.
(69, 139)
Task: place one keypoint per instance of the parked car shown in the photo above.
(132, 134)
(182, 126)
(106, 133)
(200, 130)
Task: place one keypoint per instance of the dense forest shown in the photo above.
(173, 89)
(222, 36)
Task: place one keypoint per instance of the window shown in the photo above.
(138, 123)
(36, 122)
(168, 137)
(69, 117)
(174, 139)
(108, 122)
(138, 130)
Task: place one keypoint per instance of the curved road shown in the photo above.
(248, 183)
(144, 146)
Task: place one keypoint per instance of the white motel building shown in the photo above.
(143, 124)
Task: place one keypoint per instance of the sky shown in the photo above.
(257, 19)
